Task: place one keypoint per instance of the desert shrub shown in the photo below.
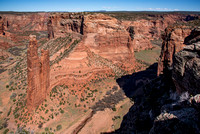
(61, 111)
(46, 111)
(11, 89)
(5, 131)
(40, 125)
(14, 100)
(4, 125)
(114, 109)
(46, 129)
(42, 117)
(59, 127)
(9, 111)
(16, 116)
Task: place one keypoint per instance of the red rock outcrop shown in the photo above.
(15, 27)
(173, 42)
(45, 72)
(2, 26)
(110, 39)
(105, 50)
(27, 21)
(38, 74)
(146, 30)
(62, 23)
(50, 29)
(186, 66)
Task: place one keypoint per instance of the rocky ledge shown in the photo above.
(171, 102)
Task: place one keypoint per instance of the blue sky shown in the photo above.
(94, 5)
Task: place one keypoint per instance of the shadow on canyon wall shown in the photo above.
(132, 84)
(156, 109)
(151, 94)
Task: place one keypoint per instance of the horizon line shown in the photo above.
(108, 11)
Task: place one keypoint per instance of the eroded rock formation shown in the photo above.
(50, 29)
(38, 74)
(61, 23)
(173, 42)
(110, 38)
(186, 66)
(2, 26)
(160, 107)
(149, 29)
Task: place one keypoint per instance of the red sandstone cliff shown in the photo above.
(149, 29)
(50, 29)
(45, 73)
(61, 23)
(58, 24)
(105, 49)
(173, 42)
(109, 39)
(2, 26)
(38, 74)
(26, 21)
(186, 65)
(15, 27)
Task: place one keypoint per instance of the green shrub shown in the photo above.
(16, 116)
(13, 95)
(9, 111)
(114, 109)
(46, 111)
(61, 111)
(5, 131)
(46, 129)
(59, 127)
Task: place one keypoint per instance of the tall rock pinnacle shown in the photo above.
(38, 74)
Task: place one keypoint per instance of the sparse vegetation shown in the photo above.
(6, 131)
(59, 127)
(65, 53)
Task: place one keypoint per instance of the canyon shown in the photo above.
(175, 93)
(81, 67)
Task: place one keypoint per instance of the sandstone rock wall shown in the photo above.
(62, 23)
(26, 21)
(146, 30)
(45, 73)
(50, 29)
(186, 66)
(173, 42)
(110, 39)
(158, 108)
(38, 74)
(3, 25)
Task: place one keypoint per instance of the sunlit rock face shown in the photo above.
(173, 42)
(38, 74)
